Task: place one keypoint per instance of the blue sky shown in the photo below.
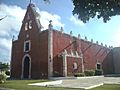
(60, 11)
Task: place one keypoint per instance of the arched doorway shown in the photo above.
(26, 68)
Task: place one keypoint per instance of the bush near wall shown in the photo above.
(3, 77)
(79, 74)
(98, 72)
(89, 72)
(56, 74)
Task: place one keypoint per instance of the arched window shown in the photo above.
(26, 26)
(30, 24)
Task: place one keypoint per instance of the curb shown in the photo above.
(90, 87)
(51, 83)
(64, 78)
(89, 77)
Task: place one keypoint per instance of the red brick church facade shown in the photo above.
(43, 54)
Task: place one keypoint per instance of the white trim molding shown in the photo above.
(64, 63)
(27, 41)
(65, 55)
(100, 66)
(22, 72)
(50, 53)
(30, 24)
(26, 26)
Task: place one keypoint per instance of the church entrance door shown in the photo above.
(26, 67)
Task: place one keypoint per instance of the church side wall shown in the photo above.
(63, 42)
(93, 54)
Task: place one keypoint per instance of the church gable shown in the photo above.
(31, 22)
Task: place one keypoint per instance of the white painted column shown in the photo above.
(22, 69)
(29, 69)
(50, 53)
(65, 64)
(11, 55)
(82, 63)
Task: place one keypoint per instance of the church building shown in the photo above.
(43, 54)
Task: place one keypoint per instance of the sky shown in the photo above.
(60, 12)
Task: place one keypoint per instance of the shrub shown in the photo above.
(98, 72)
(3, 77)
(7, 73)
(79, 74)
(89, 73)
(70, 75)
(56, 74)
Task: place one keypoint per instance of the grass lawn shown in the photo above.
(22, 85)
(108, 87)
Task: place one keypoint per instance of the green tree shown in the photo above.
(4, 66)
(86, 9)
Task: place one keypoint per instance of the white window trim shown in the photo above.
(30, 24)
(100, 66)
(29, 45)
(26, 26)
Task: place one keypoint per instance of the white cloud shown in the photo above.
(46, 17)
(11, 26)
(116, 38)
(76, 21)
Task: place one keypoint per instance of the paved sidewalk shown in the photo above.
(87, 83)
(84, 82)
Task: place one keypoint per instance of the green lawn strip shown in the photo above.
(108, 87)
(22, 85)
(19, 84)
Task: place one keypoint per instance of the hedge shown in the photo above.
(79, 74)
(89, 72)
